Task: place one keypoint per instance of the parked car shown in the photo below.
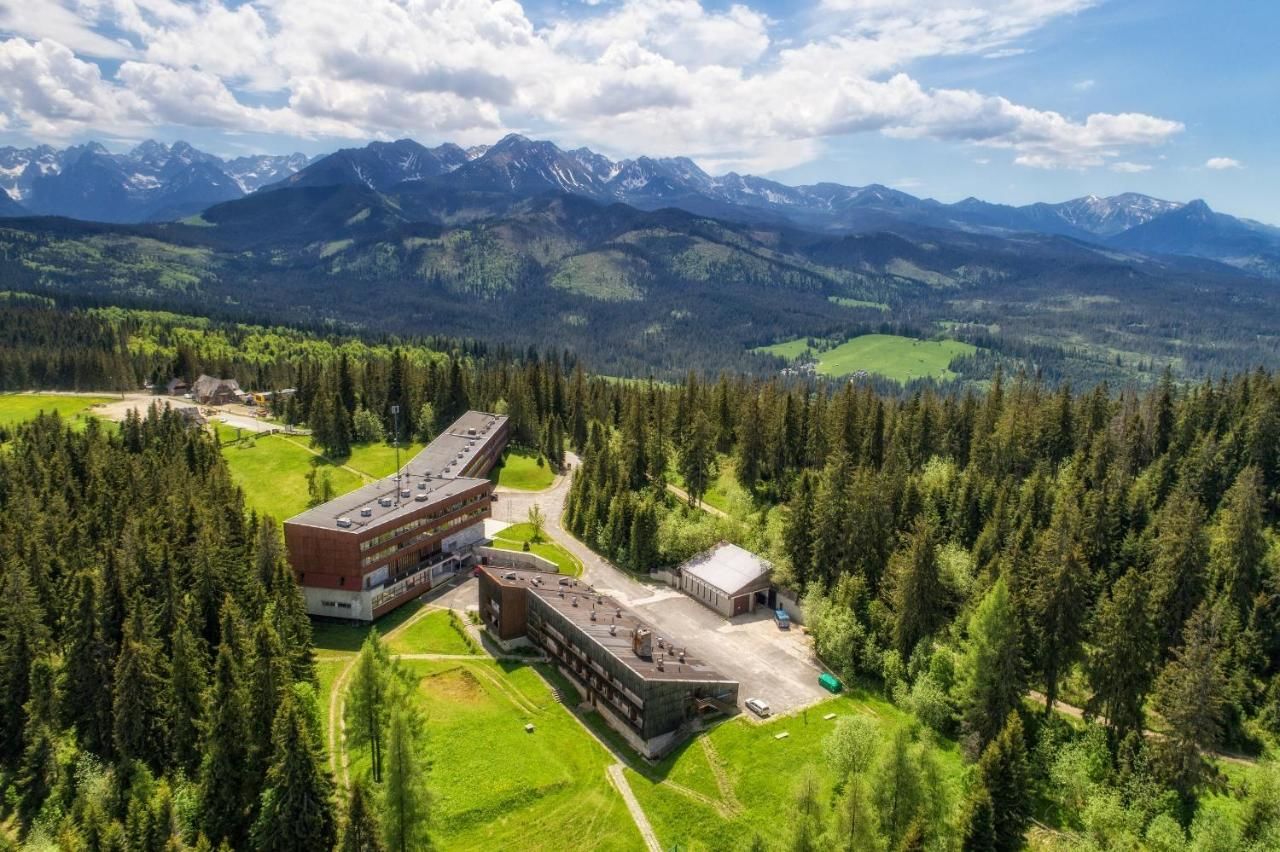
(781, 619)
(758, 706)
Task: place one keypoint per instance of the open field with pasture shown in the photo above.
(272, 470)
(901, 359)
(17, 408)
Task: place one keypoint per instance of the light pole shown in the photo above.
(395, 442)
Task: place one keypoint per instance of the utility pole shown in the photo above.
(395, 442)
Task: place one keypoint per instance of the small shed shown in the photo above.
(725, 578)
(177, 387)
(211, 391)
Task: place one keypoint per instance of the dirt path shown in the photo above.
(364, 477)
(1076, 713)
(706, 507)
(619, 780)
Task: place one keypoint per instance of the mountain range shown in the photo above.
(448, 184)
(152, 182)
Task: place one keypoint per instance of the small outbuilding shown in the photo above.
(211, 391)
(726, 578)
(177, 387)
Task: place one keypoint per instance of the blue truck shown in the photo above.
(781, 619)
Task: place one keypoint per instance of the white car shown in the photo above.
(758, 706)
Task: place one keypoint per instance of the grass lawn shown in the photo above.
(431, 634)
(846, 302)
(273, 473)
(519, 468)
(494, 786)
(379, 460)
(347, 637)
(514, 537)
(328, 667)
(725, 492)
(898, 358)
(750, 775)
(20, 407)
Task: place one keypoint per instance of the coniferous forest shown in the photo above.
(972, 555)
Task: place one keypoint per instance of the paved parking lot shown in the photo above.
(776, 665)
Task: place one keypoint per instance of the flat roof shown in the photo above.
(609, 613)
(727, 567)
(430, 476)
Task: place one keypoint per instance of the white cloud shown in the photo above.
(639, 76)
(1221, 163)
(1084, 85)
(1127, 168)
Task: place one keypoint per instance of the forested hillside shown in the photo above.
(638, 292)
(1116, 553)
(157, 689)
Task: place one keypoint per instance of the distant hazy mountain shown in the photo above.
(154, 181)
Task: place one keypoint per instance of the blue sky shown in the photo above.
(1007, 100)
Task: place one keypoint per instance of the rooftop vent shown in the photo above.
(593, 615)
(344, 522)
(471, 431)
(662, 643)
(660, 666)
(682, 657)
(575, 601)
(422, 498)
(422, 486)
(613, 630)
(366, 511)
(385, 501)
(405, 492)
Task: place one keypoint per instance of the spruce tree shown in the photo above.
(1059, 595)
(977, 821)
(697, 460)
(1237, 543)
(267, 685)
(87, 672)
(360, 829)
(295, 814)
(1004, 774)
(139, 705)
(1122, 656)
(797, 534)
(1190, 695)
(751, 449)
(919, 597)
(224, 795)
(188, 681)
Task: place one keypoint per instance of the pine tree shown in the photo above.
(797, 535)
(188, 680)
(697, 459)
(1059, 595)
(22, 635)
(224, 796)
(139, 706)
(406, 801)
(1237, 544)
(1121, 660)
(360, 830)
(368, 704)
(1179, 555)
(977, 821)
(751, 449)
(295, 813)
(267, 686)
(87, 672)
(1189, 695)
(919, 597)
(1004, 774)
(991, 669)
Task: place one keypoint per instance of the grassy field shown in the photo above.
(514, 537)
(431, 634)
(742, 778)
(379, 460)
(898, 358)
(273, 470)
(725, 492)
(494, 786)
(523, 470)
(846, 302)
(20, 407)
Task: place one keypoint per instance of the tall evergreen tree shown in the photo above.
(1059, 595)
(1004, 774)
(368, 705)
(360, 829)
(225, 796)
(139, 706)
(406, 805)
(919, 597)
(991, 669)
(295, 813)
(697, 460)
(1122, 656)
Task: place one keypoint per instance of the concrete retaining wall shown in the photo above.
(516, 559)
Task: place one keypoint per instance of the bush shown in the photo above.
(367, 426)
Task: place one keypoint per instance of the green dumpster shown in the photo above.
(829, 682)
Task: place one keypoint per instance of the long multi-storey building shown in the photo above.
(648, 687)
(365, 553)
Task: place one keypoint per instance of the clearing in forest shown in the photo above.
(901, 359)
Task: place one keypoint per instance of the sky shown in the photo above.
(1012, 101)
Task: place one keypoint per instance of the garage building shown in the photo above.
(725, 578)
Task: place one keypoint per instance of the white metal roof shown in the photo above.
(727, 567)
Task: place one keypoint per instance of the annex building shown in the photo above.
(365, 553)
(649, 688)
(726, 578)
